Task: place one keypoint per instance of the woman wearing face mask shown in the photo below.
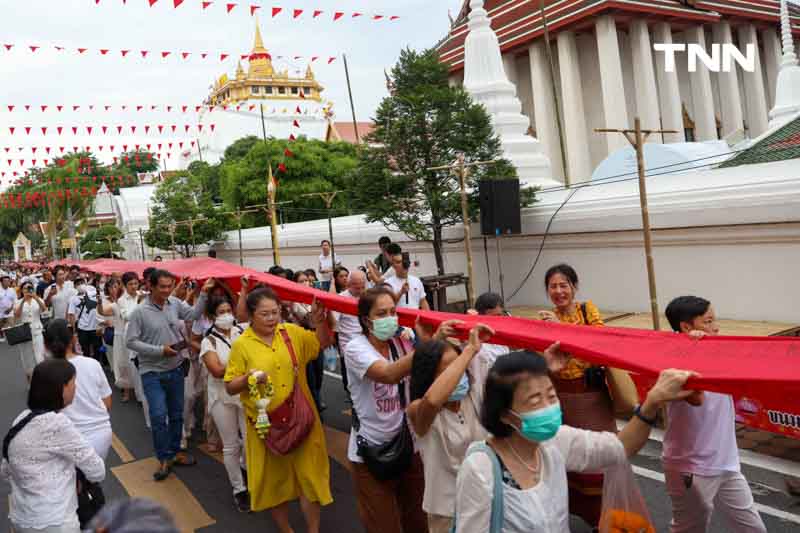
(226, 410)
(534, 450)
(44, 450)
(377, 363)
(29, 310)
(581, 387)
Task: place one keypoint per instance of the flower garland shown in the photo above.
(261, 393)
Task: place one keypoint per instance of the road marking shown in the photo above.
(121, 450)
(761, 508)
(137, 479)
(747, 457)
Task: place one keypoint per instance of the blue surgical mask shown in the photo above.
(384, 328)
(540, 425)
(461, 390)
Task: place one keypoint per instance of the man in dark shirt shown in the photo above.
(46, 281)
(382, 261)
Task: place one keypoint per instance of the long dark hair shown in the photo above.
(366, 302)
(58, 338)
(427, 357)
(47, 384)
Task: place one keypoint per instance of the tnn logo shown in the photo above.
(720, 60)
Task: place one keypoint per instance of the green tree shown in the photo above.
(425, 123)
(101, 242)
(315, 166)
(182, 213)
(130, 164)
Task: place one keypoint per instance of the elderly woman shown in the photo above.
(581, 387)
(532, 450)
(277, 353)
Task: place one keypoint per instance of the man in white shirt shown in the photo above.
(326, 265)
(59, 295)
(347, 326)
(408, 289)
(82, 315)
(700, 454)
(8, 297)
(490, 304)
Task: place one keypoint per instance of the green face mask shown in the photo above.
(540, 425)
(384, 328)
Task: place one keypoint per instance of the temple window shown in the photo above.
(294, 90)
(254, 90)
(307, 90)
(268, 89)
(281, 90)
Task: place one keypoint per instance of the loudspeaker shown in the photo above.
(499, 202)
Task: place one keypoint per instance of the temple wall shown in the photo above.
(709, 239)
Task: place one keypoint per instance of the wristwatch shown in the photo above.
(649, 421)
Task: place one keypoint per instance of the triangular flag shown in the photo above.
(58, 129)
(152, 2)
(139, 107)
(331, 60)
(317, 12)
(357, 15)
(76, 107)
(337, 15)
(147, 129)
(10, 108)
(27, 130)
(124, 52)
(59, 107)
(176, 3)
(394, 17)
(222, 57)
(230, 7)
(103, 51)
(288, 153)
(33, 48)
(281, 168)
(104, 128)
(292, 137)
(8, 46)
(377, 17)
(145, 52)
(160, 128)
(165, 54)
(44, 132)
(203, 55)
(133, 129)
(211, 126)
(297, 13)
(74, 130)
(89, 130)
(44, 108)
(82, 50)
(206, 4)
(119, 130)
(296, 124)
(276, 10)
(297, 110)
(185, 54)
(253, 9)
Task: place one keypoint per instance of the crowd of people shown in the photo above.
(446, 435)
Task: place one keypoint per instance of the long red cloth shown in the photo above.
(762, 373)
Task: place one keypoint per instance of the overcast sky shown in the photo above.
(50, 77)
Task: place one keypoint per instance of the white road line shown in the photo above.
(761, 508)
(747, 457)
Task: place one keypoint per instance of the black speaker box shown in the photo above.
(499, 203)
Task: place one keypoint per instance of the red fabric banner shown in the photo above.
(762, 373)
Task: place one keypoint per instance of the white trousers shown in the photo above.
(695, 498)
(229, 419)
(121, 363)
(31, 353)
(138, 390)
(99, 439)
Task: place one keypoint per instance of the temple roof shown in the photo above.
(782, 144)
(260, 60)
(518, 22)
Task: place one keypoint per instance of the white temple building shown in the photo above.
(604, 70)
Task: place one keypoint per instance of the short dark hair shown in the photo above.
(685, 309)
(486, 301)
(158, 258)
(498, 394)
(74, 267)
(383, 241)
(394, 249)
(298, 274)
(214, 303)
(128, 276)
(563, 269)
(289, 273)
(427, 356)
(311, 272)
(49, 378)
(324, 241)
(367, 301)
(212, 253)
(262, 293)
(158, 274)
(58, 337)
(57, 268)
(277, 270)
(146, 273)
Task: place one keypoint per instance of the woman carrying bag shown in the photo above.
(289, 460)
(28, 310)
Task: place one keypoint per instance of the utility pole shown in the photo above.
(199, 150)
(272, 189)
(350, 93)
(637, 138)
(328, 198)
(263, 124)
(141, 243)
(461, 170)
(172, 237)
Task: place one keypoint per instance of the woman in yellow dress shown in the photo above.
(581, 387)
(303, 473)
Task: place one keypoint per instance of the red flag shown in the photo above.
(185, 54)
(58, 129)
(125, 149)
(169, 108)
(145, 52)
(192, 143)
(276, 10)
(47, 149)
(230, 7)
(107, 107)
(119, 130)
(394, 17)
(10, 108)
(27, 107)
(33, 149)
(357, 14)
(165, 54)
(253, 9)
(176, 3)
(211, 126)
(27, 130)
(173, 127)
(302, 95)
(148, 146)
(160, 128)
(33, 48)
(8, 46)
(11, 129)
(139, 107)
(61, 148)
(147, 129)
(111, 148)
(44, 108)
(44, 130)
(199, 128)
(296, 124)
(298, 110)
(59, 107)
(331, 60)
(180, 144)
(133, 129)
(245, 56)
(76, 107)
(281, 167)
(152, 2)
(337, 15)
(159, 146)
(377, 17)
(153, 107)
(196, 108)
(297, 13)
(82, 50)
(206, 4)
(203, 55)
(222, 57)
(186, 128)
(124, 52)
(89, 129)
(317, 12)
(288, 153)
(104, 128)
(292, 137)
(74, 130)
(103, 51)
(100, 148)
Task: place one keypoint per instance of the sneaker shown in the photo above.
(163, 471)
(242, 501)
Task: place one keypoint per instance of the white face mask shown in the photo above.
(224, 321)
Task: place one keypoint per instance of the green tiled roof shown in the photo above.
(781, 145)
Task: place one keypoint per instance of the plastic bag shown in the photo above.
(624, 508)
(331, 356)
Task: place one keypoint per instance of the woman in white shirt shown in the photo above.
(42, 457)
(122, 300)
(377, 363)
(226, 410)
(29, 310)
(533, 451)
(89, 410)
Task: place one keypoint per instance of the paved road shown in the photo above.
(201, 499)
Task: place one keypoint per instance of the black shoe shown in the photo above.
(242, 501)
(163, 471)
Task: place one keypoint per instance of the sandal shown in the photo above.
(183, 459)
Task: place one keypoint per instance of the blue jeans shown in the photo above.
(164, 392)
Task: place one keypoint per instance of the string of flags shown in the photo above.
(97, 147)
(275, 11)
(131, 53)
(287, 153)
(181, 108)
(106, 130)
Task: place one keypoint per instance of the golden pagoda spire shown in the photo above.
(260, 60)
(258, 45)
